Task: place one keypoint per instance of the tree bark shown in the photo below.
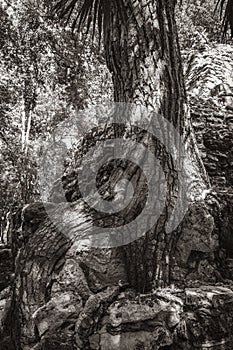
(143, 55)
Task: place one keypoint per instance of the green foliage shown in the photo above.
(198, 23)
(96, 13)
(47, 74)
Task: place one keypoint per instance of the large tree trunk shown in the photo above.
(143, 55)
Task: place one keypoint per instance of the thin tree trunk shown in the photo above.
(28, 131)
(23, 126)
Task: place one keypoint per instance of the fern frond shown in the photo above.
(93, 14)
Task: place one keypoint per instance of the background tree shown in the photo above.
(45, 78)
